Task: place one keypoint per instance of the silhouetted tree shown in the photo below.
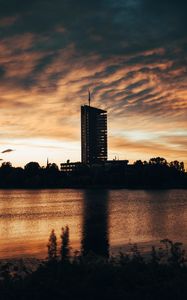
(155, 256)
(6, 172)
(52, 246)
(65, 250)
(174, 251)
(179, 166)
(6, 165)
(32, 168)
(138, 163)
(136, 255)
(158, 161)
(52, 167)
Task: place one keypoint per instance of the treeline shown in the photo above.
(155, 173)
(31, 176)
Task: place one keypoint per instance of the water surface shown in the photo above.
(99, 220)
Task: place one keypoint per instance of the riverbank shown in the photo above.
(95, 187)
(155, 174)
(159, 274)
(94, 277)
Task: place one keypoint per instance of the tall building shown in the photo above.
(93, 134)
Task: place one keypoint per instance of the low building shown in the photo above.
(70, 167)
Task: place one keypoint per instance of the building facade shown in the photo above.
(93, 135)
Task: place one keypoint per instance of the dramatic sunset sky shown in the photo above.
(132, 54)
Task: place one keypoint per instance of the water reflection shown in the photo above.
(143, 217)
(95, 223)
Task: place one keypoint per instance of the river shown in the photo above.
(99, 220)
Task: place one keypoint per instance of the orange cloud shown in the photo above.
(41, 94)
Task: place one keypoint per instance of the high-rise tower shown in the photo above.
(93, 134)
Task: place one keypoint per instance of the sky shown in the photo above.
(131, 54)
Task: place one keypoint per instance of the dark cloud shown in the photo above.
(136, 84)
(7, 151)
(105, 26)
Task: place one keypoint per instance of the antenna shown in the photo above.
(89, 97)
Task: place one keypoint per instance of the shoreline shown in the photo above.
(95, 187)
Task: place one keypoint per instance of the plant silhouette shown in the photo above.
(65, 249)
(52, 246)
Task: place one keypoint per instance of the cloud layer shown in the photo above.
(132, 54)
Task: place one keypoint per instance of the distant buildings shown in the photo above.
(93, 135)
(70, 167)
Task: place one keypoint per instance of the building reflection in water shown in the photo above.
(95, 223)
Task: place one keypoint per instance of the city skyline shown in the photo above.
(51, 54)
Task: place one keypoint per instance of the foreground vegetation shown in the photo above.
(126, 276)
